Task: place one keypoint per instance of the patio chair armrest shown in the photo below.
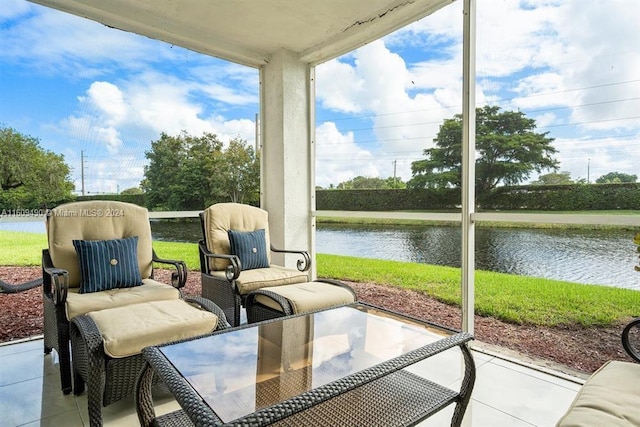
(178, 277)
(55, 281)
(232, 272)
(303, 264)
(209, 305)
(633, 349)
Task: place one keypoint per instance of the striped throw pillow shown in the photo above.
(250, 247)
(108, 264)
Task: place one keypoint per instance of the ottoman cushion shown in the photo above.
(610, 397)
(127, 330)
(310, 296)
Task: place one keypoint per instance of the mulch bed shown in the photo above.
(573, 350)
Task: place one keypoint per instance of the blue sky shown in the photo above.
(80, 87)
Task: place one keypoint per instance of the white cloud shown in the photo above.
(590, 159)
(65, 45)
(534, 57)
(339, 87)
(344, 160)
(404, 121)
(572, 67)
(108, 99)
(545, 119)
(154, 102)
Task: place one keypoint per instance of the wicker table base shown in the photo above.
(382, 394)
(399, 399)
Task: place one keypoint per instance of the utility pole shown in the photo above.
(395, 162)
(588, 170)
(82, 169)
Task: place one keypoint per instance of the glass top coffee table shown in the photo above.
(339, 366)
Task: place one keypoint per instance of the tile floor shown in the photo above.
(506, 393)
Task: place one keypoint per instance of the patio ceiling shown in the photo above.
(249, 32)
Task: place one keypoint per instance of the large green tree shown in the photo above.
(616, 177)
(188, 172)
(30, 176)
(508, 151)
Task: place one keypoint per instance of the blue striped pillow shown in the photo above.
(250, 247)
(108, 264)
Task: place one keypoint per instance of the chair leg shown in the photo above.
(236, 313)
(64, 356)
(94, 396)
(78, 383)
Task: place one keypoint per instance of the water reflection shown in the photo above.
(604, 257)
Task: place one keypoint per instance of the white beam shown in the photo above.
(468, 163)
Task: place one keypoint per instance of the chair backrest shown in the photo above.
(97, 220)
(218, 219)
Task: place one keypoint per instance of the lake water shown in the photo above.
(602, 257)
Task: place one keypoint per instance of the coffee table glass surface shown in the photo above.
(242, 371)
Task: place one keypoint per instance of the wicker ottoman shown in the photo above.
(277, 301)
(107, 344)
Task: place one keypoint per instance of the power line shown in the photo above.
(390, 113)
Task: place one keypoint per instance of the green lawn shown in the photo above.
(511, 298)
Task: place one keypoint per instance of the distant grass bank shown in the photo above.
(512, 298)
(489, 224)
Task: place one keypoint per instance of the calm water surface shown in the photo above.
(603, 257)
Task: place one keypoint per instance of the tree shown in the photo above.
(554, 178)
(616, 178)
(132, 191)
(371, 183)
(508, 151)
(30, 176)
(187, 172)
(240, 178)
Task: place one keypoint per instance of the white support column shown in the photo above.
(468, 162)
(286, 169)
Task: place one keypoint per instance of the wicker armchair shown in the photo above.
(63, 299)
(226, 277)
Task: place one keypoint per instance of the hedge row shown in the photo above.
(526, 197)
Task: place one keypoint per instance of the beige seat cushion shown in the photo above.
(150, 290)
(221, 217)
(305, 297)
(258, 278)
(97, 220)
(127, 330)
(610, 397)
